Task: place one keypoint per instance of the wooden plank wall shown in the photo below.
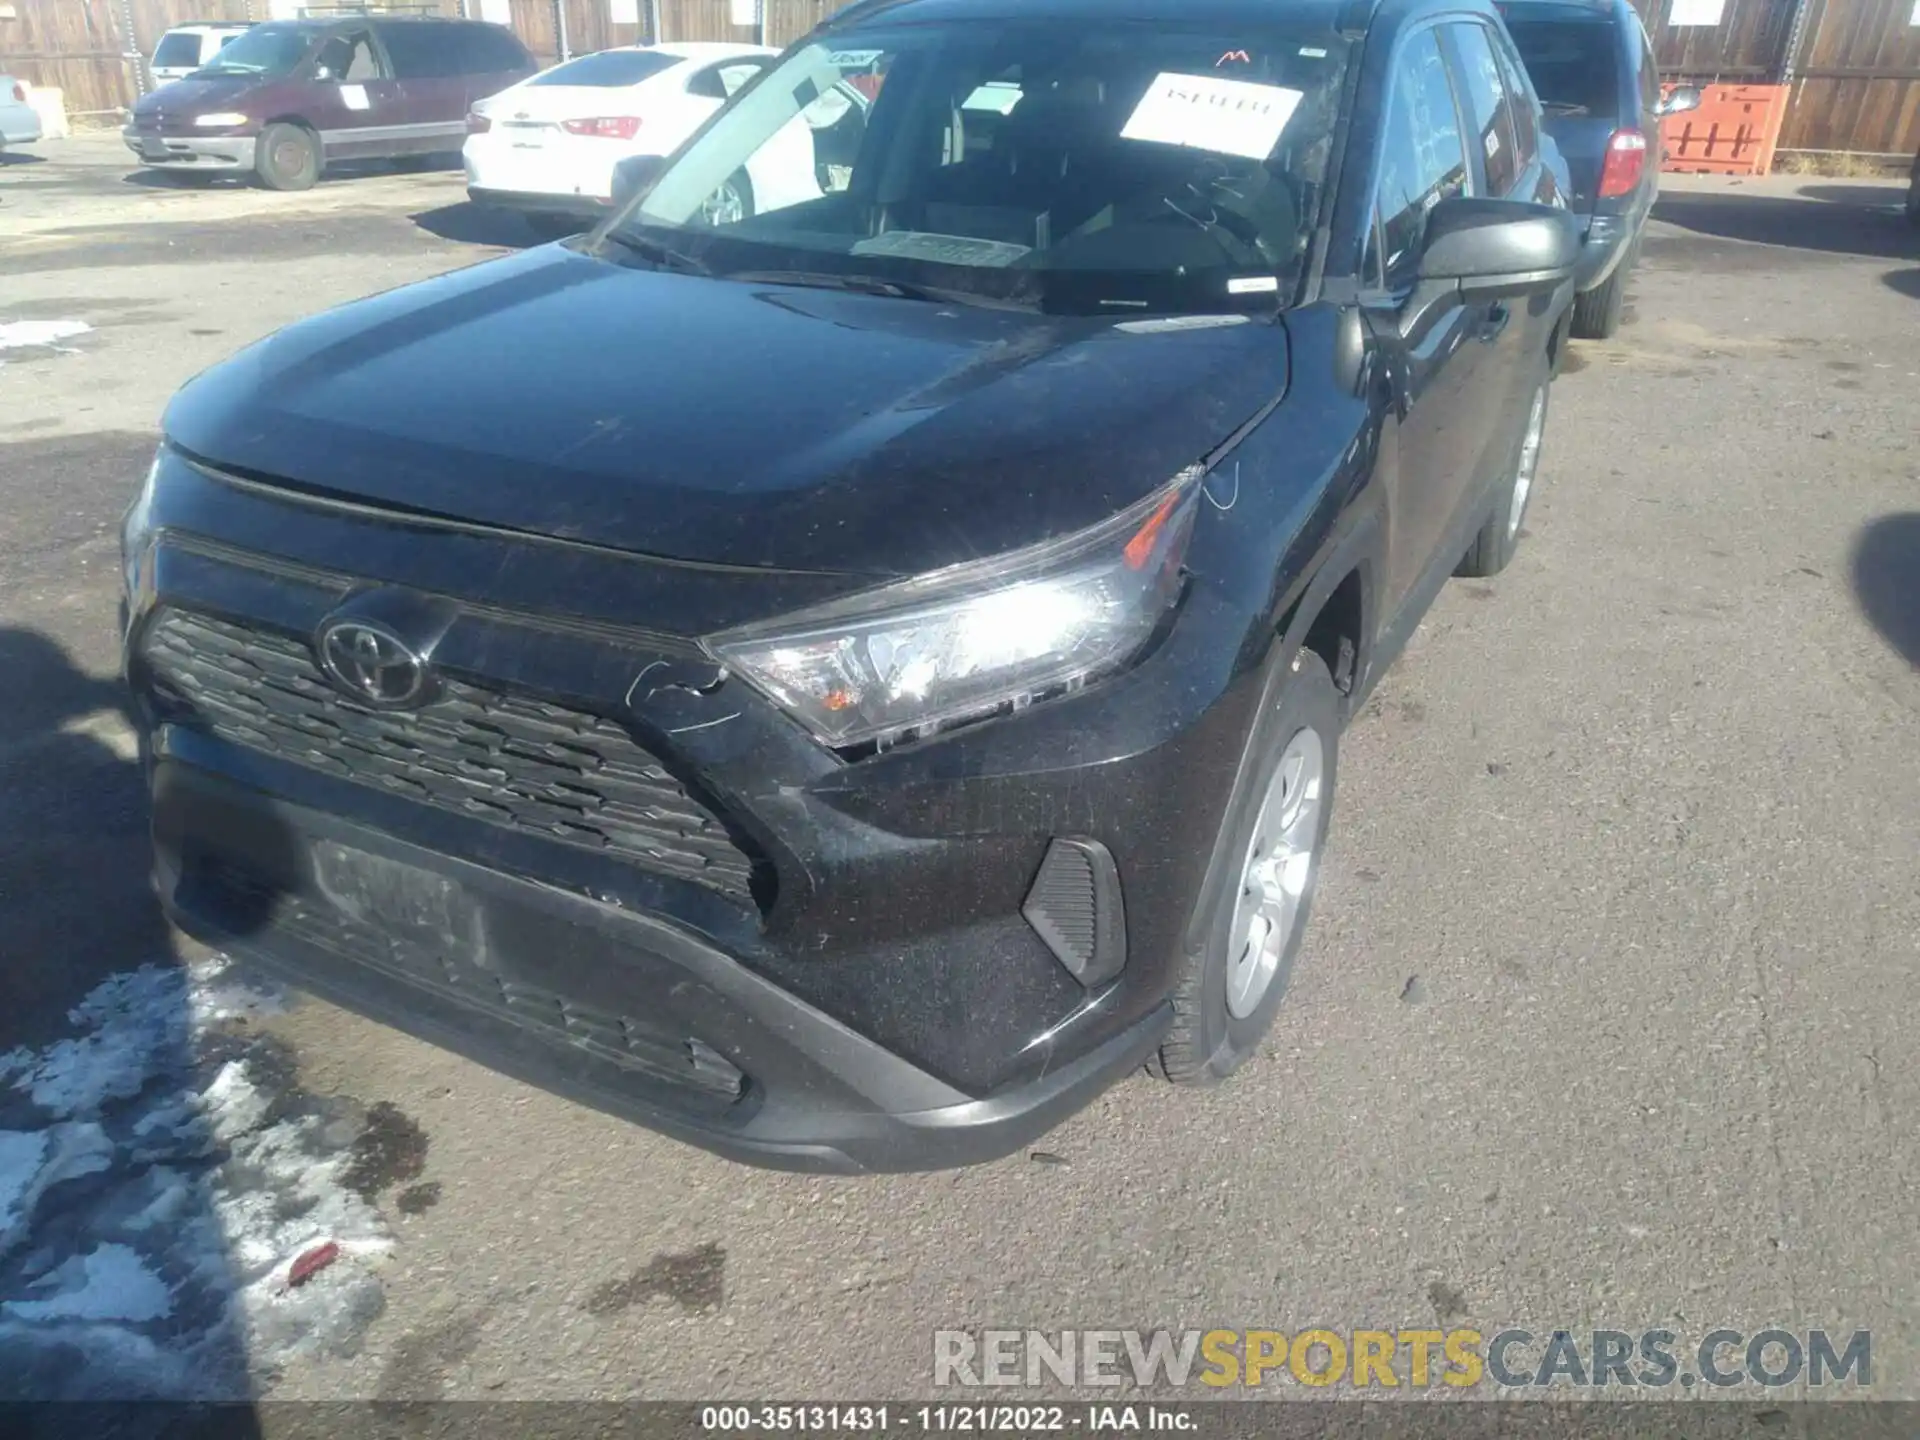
(75, 45)
(1857, 84)
(1745, 48)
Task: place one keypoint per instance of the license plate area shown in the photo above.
(400, 901)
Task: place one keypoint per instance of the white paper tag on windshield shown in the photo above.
(1228, 117)
(354, 97)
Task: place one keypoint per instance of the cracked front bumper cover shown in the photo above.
(808, 1094)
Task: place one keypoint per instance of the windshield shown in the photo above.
(1131, 167)
(178, 48)
(1569, 54)
(610, 68)
(272, 50)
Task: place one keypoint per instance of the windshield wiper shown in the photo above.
(827, 280)
(1563, 107)
(875, 285)
(654, 250)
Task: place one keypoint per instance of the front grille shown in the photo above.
(711, 1081)
(506, 759)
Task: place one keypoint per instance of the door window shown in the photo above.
(350, 57)
(1489, 107)
(1526, 124)
(1422, 162)
(718, 82)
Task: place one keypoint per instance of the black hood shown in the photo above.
(725, 422)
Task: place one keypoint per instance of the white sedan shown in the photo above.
(547, 146)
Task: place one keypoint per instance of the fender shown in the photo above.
(1356, 544)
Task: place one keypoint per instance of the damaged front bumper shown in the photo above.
(594, 863)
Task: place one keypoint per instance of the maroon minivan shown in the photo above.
(290, 97)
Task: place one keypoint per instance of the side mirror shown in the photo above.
(1498, 249)
(1479, 250)
(324, 74)
(1680, 99)
(635, 176)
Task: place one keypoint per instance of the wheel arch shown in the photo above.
(301, 121)
(1335, 614)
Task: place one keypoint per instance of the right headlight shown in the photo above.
(963, 642)
(136, 527)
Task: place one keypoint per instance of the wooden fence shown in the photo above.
(1853, 65)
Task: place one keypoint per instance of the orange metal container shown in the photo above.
(1734, 131)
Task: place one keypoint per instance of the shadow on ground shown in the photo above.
(1800, 222)
(1886, 579)
(1904, 282)
(338, 173)
(470, 224)
(74, 901)
(20, 157)
(1871, 197)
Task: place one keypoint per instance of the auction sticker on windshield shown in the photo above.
(1204, 112)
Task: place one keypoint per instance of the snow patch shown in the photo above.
(20, 334)
(206, 1173)
(110, 1283)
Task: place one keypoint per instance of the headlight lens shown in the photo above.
(963, 642)
(134, 526)
(223, 118)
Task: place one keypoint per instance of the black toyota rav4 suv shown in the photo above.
(843, 684)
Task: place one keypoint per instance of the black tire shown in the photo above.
(287, 157)
(1208, 1043)
(1499, 537)
(1596, 314)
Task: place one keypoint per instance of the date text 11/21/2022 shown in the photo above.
(946, 1419)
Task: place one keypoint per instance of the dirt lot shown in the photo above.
(1604, 1022)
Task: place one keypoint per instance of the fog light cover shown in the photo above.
(1075, 908)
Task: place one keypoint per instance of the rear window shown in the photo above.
(1571, 55)
(421, 50)
(178, 48)
(611, 69)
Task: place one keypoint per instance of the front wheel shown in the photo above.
(1256, 911)
(288, 157)
(1499, 537)
(731, 203)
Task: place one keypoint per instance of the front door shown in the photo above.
(357, 107)
(1437, 369)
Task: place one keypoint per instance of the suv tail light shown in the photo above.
(607, 127)
(19, 92)
(478, 124)
(1626, 162)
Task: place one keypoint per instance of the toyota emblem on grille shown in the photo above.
(371, 663)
